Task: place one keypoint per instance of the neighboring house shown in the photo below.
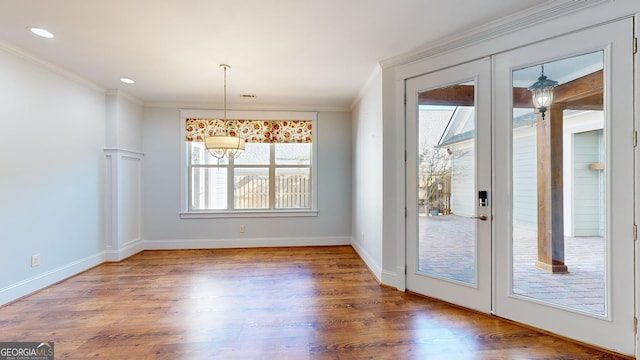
(582, 175)
(458, 138)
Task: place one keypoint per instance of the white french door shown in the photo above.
(525, 216)
(564, 217)
(448, 170)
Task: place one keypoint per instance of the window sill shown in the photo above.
(247, 214)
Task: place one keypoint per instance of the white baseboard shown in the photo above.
(375, 268)
(28, 286)
(41, 281)
(244, 243)
(392, 279)
(385, 277)
(129, 249)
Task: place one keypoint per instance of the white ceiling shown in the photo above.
(290, 53)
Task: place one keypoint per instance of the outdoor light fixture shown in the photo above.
(230, 145)
(542, 92)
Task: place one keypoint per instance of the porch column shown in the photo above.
(550, 203)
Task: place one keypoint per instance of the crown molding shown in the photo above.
(120, 93)
(544, 12)
(248, 107)
(23, 54)
(363, 89)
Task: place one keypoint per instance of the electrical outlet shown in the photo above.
(35, 260)
(241, 228)
(362, 237)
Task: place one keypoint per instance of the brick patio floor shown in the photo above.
(447, 250)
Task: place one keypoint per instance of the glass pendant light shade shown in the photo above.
(542, 93)
(543, 97)
(224, 146)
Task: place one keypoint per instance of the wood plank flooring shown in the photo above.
(268, 303)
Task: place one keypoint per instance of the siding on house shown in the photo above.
(525, 181)
(583, 187)
(463, 197)
(587, 187)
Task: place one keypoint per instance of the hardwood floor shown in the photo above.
(268, 303)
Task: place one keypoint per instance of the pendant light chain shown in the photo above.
(226, 124)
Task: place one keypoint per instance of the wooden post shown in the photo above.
(550, 193)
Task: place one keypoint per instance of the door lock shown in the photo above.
(483, 200)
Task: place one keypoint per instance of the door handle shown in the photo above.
(482, 217)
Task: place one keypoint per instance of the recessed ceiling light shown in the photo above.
(41, 32)
(127, 80)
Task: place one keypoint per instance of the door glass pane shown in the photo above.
(446, 183)
(558, 217)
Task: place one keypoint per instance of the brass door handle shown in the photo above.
(482, 217)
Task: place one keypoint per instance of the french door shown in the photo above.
(564, 220)
(527, 211)
(449, 185)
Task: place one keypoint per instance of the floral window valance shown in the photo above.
(253, 131)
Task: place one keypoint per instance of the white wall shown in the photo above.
(163, 227)
(367, 217)
(52, 136)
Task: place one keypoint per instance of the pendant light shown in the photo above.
(230, 145)
(542, 92)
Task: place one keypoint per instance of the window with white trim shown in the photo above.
(273, 175)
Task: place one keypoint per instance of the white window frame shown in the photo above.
(186, 213)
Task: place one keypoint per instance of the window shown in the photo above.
(273, 176)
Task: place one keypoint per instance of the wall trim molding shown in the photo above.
(123, 152)
(546, 11)
(377, 71)
(41, 281)
(178, 244)
(126, 251)
(369, 260)
(25, 55)
(394, 279)
(124, 95)
(205, 106)
(30, 285)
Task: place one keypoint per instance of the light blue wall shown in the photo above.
(367, 174)
(52, 136)
(163, 227)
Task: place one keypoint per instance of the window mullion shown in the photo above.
(272, 176)
(231, 170)
(190, 185)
